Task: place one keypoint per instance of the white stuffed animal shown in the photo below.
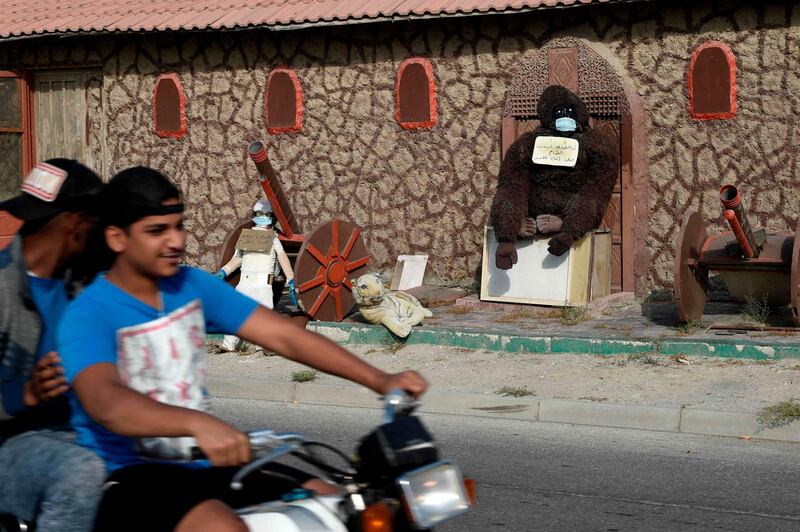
(397, 311)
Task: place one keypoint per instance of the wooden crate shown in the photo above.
(576, 278)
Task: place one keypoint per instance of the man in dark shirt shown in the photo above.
(44, 476)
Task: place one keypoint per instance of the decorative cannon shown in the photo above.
(324, 260)
(750, 262)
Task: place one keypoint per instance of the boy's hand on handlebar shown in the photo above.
(222, 444)
(410, 381)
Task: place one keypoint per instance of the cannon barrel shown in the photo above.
(735, 214)
(272, 188)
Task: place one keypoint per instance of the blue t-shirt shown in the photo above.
(50, 298)
(105, 323)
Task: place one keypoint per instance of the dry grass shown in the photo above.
(459, 309)
(779, 414)
(305, 375)
(515, 391)
(574, 315)
(593, 399)
(756, 308)
(526, 314)
(690, 327)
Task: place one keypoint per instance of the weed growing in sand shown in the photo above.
(574, 315)
(756, 308)
(515, 391)
(304, 375)
(779, 414)
(523, 314)
(395, 347)
(690, 327)
(643, 358)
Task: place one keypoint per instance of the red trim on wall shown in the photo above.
(729, 55)
(426, 64)
(182, 97)
(298, 98)
(26, 129)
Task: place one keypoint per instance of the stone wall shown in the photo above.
(429, 191)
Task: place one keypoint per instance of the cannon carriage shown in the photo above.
(323, 260)
(750, 262)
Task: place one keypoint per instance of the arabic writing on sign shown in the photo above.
(555, 151)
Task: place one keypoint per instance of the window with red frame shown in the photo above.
(283, 102)
(169, 107)
(16, 143)
(712, 82)
(415, 94)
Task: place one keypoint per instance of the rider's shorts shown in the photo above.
(156, 497)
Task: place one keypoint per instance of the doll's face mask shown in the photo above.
(262, 219)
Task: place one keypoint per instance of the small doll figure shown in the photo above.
(260, 255)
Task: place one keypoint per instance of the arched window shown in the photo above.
(283, 102)
(415, 93)
(169, 107)
(712, 82)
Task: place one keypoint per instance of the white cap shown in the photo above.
(263, 205)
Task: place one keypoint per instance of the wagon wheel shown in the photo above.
(795, 286)
(229, 247)
(691, 278)
(331, 255)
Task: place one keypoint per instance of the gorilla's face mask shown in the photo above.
(565, 118)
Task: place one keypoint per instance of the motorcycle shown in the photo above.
(397, 482)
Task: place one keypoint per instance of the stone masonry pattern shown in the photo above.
(429, 191)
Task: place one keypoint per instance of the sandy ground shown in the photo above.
(713, 383)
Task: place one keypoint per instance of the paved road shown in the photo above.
(539, 476)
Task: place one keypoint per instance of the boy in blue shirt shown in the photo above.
(133, 348)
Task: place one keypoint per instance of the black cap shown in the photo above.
(55, 186)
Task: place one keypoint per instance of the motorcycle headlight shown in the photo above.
(434, 493)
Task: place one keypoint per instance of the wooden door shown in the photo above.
(68, 113)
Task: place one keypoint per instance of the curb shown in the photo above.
(354, 333)
(681, 420)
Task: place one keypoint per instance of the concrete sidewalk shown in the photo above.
(676, 419)
(624, 329)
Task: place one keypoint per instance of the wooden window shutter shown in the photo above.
(712, 82)
(283, 102)
(169, 107)
(415, 94)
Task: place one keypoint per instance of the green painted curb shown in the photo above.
(355, 334)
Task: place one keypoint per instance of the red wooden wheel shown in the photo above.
(691, 279)
(330, 256)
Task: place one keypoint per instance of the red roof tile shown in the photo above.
(32, 17)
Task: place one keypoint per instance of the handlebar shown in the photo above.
(277, 444)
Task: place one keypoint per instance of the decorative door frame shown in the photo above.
(593, 71)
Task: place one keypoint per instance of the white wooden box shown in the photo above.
(577, 277)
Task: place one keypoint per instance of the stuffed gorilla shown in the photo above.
(566, 202)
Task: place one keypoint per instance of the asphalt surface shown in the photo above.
(543, 476)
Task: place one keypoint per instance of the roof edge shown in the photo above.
(320, 23)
